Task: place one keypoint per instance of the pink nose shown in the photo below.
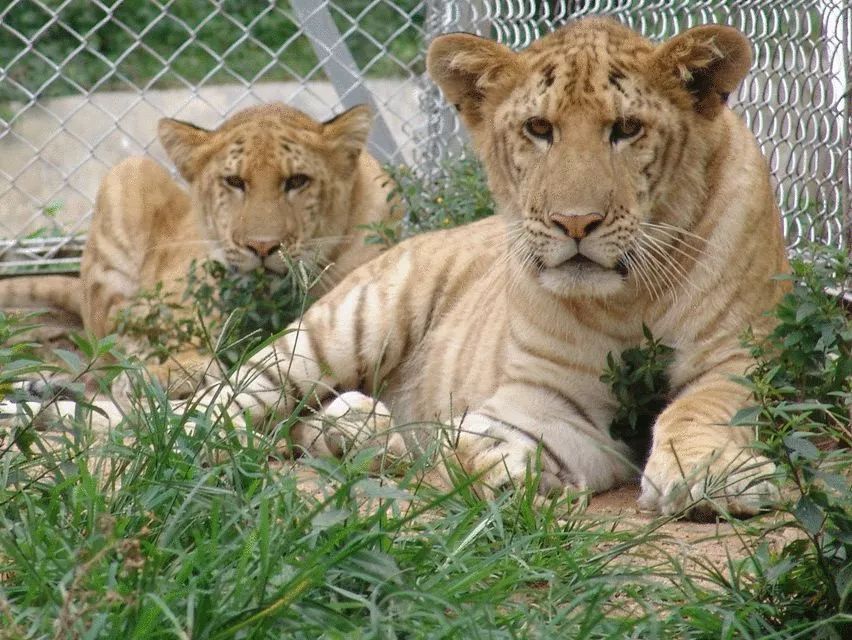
(577, 227)
(262, 248)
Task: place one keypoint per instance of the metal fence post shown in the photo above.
(69, 112)
(340, 67)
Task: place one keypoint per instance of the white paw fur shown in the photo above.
(732, 481)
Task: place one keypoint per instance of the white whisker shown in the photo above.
(657, 270)
(655, 256)
(681, 234)
(678, 269)
(634, 265)
(640, 259)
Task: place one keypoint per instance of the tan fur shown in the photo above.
(147, 229)
(603, 152)
(500, 327)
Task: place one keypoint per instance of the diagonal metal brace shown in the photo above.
(339, 65)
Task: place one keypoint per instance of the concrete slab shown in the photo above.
(56, 151)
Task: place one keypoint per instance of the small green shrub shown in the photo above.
(457, 196)
(640, 383)
(265, 304)
(802, 385)
(247, 307)
(159, 324)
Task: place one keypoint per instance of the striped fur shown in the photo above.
(628, 194)
(147, 229)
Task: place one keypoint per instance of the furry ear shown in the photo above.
(470, 70)
(349, 130)
(708, 62)
(182, 142)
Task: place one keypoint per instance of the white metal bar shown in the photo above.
(339, 65)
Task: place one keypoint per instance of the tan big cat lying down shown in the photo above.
(270, 184)
(628, 193)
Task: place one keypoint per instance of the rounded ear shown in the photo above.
(183, 142)
(349, 130)
(471, 70)
(707, 62)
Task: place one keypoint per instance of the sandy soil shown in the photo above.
(689, 542)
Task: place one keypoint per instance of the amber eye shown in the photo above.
(235, 182)
(296, 181)
(624, 129)
(539, 128)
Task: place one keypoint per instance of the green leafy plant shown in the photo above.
(264, 303)
(253, 305)
(802, 385)
(28, 375)
(160, 324)
(383, 233)
(640, 383)
(459, 194)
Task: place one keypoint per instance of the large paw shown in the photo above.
(351, 422)
(701, 485)
(503, 458)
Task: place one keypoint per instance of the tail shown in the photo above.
(42, 293)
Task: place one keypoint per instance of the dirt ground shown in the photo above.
(690, 542)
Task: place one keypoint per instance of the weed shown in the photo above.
(254, 305)
(458, 196)
(802, 384)
(639, 382)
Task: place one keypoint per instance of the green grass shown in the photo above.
(162, 531)
(160, 543)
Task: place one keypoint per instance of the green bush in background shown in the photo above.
(457, 195)
(137, 44)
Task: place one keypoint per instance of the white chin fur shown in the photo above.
(566, 280)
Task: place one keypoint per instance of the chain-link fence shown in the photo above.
(796, 99)
(83, 82)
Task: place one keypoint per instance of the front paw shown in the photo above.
(703, 483)
(354, 421)
(503, 459)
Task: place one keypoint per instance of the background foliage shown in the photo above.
(132, 44)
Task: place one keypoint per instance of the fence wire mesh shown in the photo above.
(83, 82)
(796, 98)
